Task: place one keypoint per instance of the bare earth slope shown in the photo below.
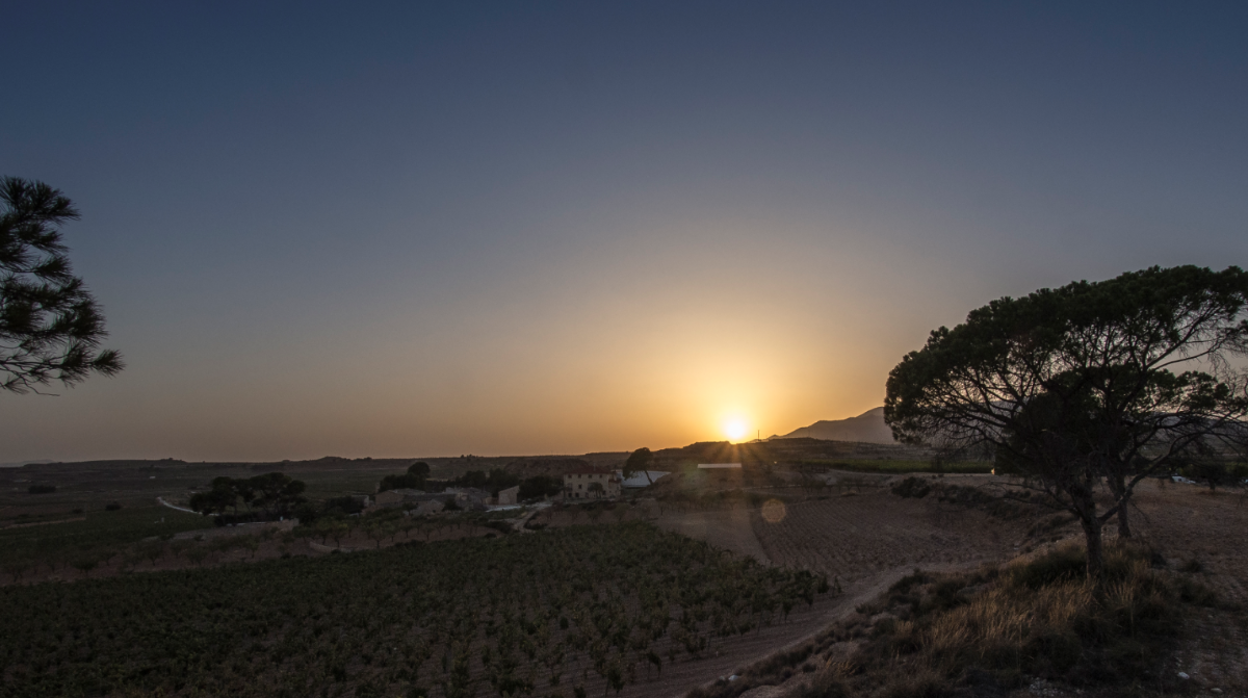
(866, 542)
(870, 540)
(1197, 529)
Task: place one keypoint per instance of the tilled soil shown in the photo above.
(856, 538)
(1204, 534)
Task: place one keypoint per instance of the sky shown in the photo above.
(425, 229)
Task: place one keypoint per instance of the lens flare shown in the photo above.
(774, 511)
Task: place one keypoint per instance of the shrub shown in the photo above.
(905, 584)
(912, 487)
(41, 489)
(1061, 564)
(539, 486)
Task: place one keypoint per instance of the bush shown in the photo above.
(540, 486)
(343, 505)
(912, 487)
(41, 489)
(112, 506)
(493, 481)
(1059, 565)
(415, 478)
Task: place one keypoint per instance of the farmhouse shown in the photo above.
(432, 506)
(591, 483)
(469, 498)
(508, 496)
(391, 498)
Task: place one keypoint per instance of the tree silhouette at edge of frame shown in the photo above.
(50, 325)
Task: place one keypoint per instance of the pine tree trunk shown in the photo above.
(1124, 528)
(1096, 553)
(1118, 486)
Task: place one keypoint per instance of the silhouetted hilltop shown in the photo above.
(868, 427)
(782, 451)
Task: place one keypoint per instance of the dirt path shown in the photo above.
(840, 607)
(42, 523)
(162, 502)
(867, 542)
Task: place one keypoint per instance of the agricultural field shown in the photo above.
(384, 604)
(862, 535)
(897, 466)
(570, 612)
(76, 537)
(976, 615)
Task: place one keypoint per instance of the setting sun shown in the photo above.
(736, 429)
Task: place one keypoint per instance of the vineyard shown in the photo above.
(96, 535)
(569, 612)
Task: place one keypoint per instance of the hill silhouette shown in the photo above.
(868, 427)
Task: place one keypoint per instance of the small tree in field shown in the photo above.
(1088, 384)
(638, 462)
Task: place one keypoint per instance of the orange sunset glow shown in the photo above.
(517, 232)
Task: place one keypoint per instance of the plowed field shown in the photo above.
(858, 537)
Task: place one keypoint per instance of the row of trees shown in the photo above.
(492, 481)
(415, 477)
(1089, 388)
(265, 496)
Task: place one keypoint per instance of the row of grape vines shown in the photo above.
(541, 614)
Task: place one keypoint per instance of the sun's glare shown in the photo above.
(736, 429)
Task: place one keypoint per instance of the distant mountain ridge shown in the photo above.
(868, 427)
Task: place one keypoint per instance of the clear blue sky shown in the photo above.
(396, 229)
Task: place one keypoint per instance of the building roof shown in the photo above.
(468, 492)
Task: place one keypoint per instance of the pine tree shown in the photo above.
(50, 325)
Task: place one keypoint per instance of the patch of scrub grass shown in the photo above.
(998, 629)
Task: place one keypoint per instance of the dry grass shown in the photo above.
(995, 630)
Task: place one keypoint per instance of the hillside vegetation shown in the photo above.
(990, 631)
